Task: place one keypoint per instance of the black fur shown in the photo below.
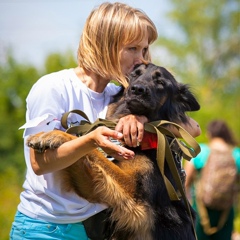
(154, 93)
(150, 85)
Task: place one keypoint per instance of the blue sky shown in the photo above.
(35, 28)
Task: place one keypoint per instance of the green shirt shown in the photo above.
(200, 160)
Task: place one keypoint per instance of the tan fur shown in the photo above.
(97, 179)
(133, 189)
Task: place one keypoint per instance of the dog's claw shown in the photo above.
(47, 140)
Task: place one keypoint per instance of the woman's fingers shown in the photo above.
(102, 137)
(132, 128)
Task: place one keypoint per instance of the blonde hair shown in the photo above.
(107, 28)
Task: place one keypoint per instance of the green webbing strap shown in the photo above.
(192, 149)
(85, 125)
(66, 114)
(163, 147)
(204, 218)
(177, 178)
(189, 150)
(164, 151)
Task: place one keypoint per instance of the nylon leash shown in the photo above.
(189, 148)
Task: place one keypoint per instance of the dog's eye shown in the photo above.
(158, 74)
(160, 81)
(136, 73)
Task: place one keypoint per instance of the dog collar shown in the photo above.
(149, 141)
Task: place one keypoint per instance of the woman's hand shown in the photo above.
(102, 136)
(132, 128)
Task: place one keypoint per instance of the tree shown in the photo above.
(205, 53)
(55, 62)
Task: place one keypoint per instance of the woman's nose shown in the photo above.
(138, 61)
(139, 58)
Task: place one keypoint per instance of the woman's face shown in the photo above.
(132, 54)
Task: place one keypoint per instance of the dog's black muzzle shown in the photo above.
(138, 89)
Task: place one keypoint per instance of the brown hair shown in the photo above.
(107, 28)
(219, 129)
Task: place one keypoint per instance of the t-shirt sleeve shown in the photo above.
(236, 156)
(200, 160)
(46, 96)
(45, 105)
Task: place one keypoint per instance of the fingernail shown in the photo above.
(119, 135)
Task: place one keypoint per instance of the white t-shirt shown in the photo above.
(50, 97)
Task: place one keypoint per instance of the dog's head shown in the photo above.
(155, 93)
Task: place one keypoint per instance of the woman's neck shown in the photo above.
(91, 80)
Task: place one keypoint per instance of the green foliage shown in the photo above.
(10, 183)
(55, 62)
(16, 79)
(205, 53)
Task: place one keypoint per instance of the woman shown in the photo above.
(220, 138)
(116, 37)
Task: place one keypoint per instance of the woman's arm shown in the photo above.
(190, 177)
(69, 152)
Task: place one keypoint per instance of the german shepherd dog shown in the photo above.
(134, 189)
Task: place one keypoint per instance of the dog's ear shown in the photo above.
(185, 96)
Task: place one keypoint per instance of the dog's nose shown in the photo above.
(138, 89)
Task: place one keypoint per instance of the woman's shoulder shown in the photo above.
(56, 77)
(51, 93)
(236, 152)
(54, 83)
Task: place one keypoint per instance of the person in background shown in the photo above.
(220, 137)
(115, 38)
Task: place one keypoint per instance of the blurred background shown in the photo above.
(199, 42)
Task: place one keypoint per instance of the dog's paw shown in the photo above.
(45, 140)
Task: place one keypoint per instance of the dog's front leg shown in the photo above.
(116, 186)
(111, 183)
(52, 139)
